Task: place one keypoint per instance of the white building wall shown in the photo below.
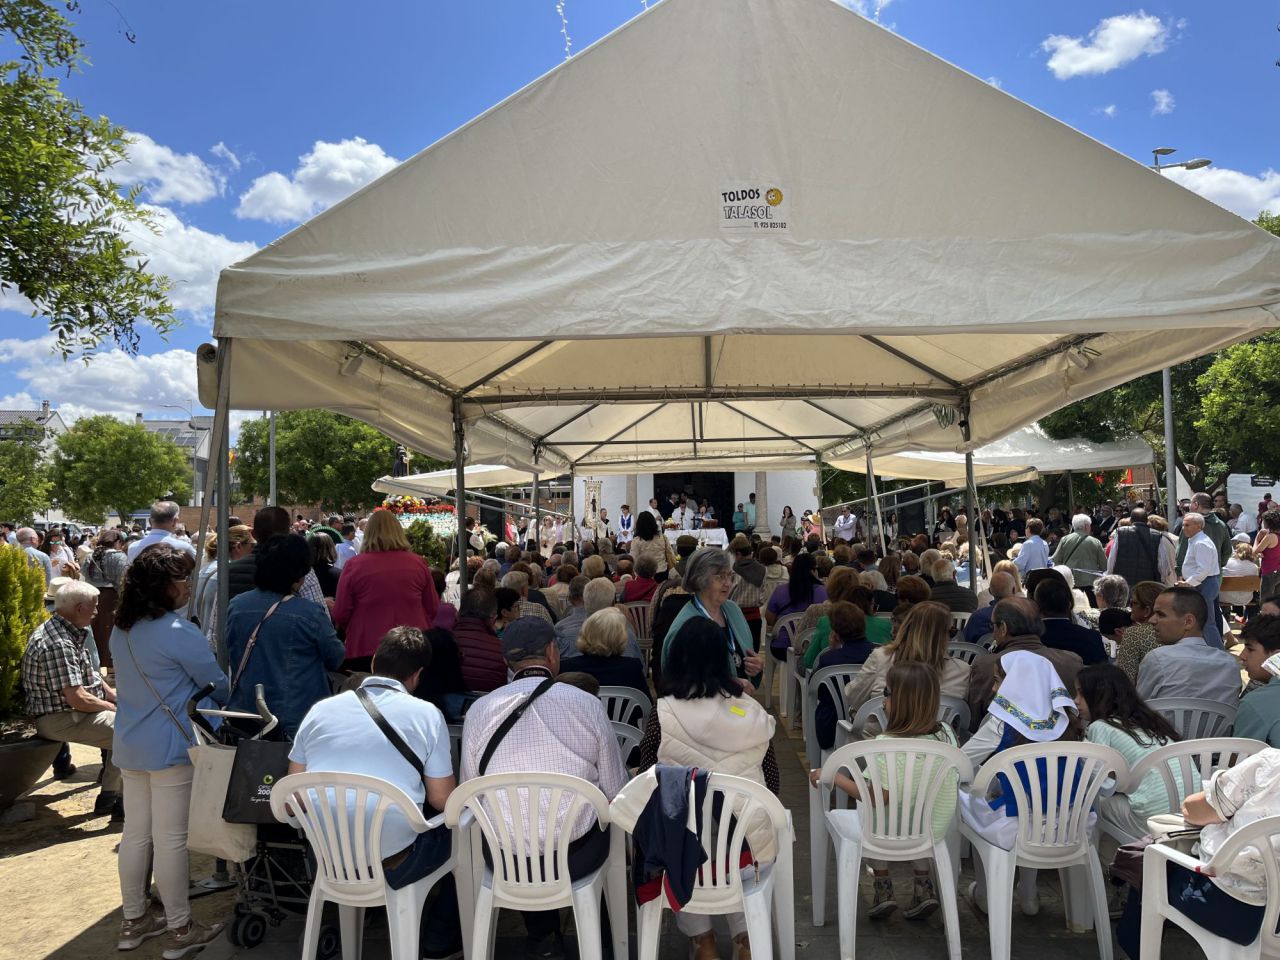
(791, 488)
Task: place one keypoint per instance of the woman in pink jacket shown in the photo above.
(386, 585)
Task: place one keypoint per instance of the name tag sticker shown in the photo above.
(738, 710)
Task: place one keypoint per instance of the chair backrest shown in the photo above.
(834, 680)
(1054, 786)
(962, 650)
(1259, 842)
(626, 704)
(528, 821)
(872, 708)
(342, 815)
(900, 781)
(1240, 584)
(958, 622)
(628, 738)
(1184, 762)
(640, 613)
(787, 623)
(732, 807)
(1196, 719)
(987, 641)
(455, 746)
(803, 639)
(952, 711)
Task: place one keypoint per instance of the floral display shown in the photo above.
(415, 505)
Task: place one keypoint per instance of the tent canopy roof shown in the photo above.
(579, 274)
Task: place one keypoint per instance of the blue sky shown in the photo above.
(252, 116)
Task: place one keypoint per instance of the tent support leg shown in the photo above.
(534, 533)
(460, 491)
(1071, 494)
(573, 516)
(971, 508)
(1170, 452)
(874, 495)
(212, 476)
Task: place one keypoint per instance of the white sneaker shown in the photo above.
(134, 932)
(194, 939)
(977, 897)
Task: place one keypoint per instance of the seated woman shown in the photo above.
(705, 719)
(1259, 715)
(1117, 717)
(848, 644)
(922, 638)
(842, 585)
(285, 644)
(795, 596)
(911, 701)
(1230, 904)
(1031, 705)
(602, 646)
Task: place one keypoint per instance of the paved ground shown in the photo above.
(59, 882)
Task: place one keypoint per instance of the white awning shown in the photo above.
(439, 482)
(738, 234)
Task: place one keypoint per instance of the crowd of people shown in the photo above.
(1089, 620)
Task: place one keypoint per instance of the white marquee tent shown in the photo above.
(737, 232)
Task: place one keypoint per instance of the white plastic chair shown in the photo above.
(958, 622)
(530, 856)
(834, 679)
(1156, 909)
(347, 842)
(628, 738)
(893, 821)
(640, 614)
(1051, 835)
(952, 711)
(765, 896)
(788, 622)
(455, 746)
(963, 650)
(796, 677)
(1182, 761)
(626, 704)
(1196, 719)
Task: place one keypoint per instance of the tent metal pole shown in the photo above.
(1170, 451)
(534, 532)
(222, 446)
(1071, 494)
(874, 495)
(573, 517)
(460, 491)
(971, 508)
(271, 458)
(211, 475)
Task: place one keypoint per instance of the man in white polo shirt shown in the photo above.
(341, 735)
(164, 525)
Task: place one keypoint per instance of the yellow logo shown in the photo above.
(773, 197)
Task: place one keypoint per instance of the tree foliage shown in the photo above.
(24, 481)
(21, 611)
(321, 457)
(101, 464)
(63, 243)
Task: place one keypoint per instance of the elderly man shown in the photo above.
(29, 541)
(1016, 625)
(1212, 526)
(1185, 665)
(561, 729)
(1082, 553)
(1140, 552)
(519, 582)
(1201, 570)
(946, 591)
(65, 694)
(164, 529)
(570, 624)
(979, 625)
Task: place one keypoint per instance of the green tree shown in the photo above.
(63, 244)
(24, 481)
(1240, 394)
(21, 611)
(101, 464)
(321, 457)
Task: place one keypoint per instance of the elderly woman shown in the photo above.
(602, 648)
(239, 544)
(708, 580)
(161, 662)
(1139, 639)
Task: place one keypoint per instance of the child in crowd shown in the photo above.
(911, 698)
(1259, 713)
(848, 644)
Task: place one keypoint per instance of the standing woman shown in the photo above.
(788, 525)
(385, 585)
(1266, 551)
(650, 542)
(161, 662)
(323, 558)
(104, 568)
(60, 555)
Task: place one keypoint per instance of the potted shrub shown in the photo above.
(23, 755)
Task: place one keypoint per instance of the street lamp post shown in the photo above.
(1166, 377)
(195, 469)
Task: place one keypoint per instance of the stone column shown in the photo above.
(762, 503)
(633, 496)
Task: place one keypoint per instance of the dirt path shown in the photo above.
(59, 881)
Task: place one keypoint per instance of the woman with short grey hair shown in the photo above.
(709, 580)
(1112, 590)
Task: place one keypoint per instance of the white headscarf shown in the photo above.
(1032, 697)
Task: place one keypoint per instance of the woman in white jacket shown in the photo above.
(704, 720)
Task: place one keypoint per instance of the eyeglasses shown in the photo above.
(723, 577)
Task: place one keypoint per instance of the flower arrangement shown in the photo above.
(670, 525)
(416, 505)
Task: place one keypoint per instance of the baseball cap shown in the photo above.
(527, 638)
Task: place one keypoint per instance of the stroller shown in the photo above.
(275, 882)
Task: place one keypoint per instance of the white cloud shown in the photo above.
(1114, 42)
(167, 176)
(995, 82)
(324, 176)
(187, 255)
(1162, 102)
(223, 153)
(867, 8)
(1239, 192)
(1109, 111)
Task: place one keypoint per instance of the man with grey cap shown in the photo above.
(561, 729)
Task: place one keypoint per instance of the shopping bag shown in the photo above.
(258, 765)
(207, 832)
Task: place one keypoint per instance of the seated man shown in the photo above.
(1259, 714)
(979, 625)
(339, 735)
(1061, 632)
(570, 625)
(479, 648)
(1184, 665)
(945, 589)
(562, 730)
(66, 696)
